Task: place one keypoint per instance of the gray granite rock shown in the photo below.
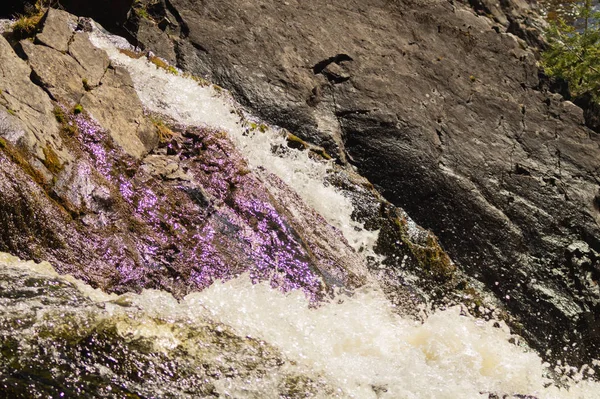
(115, 104)
(59, 73)
(28, 110)
(56, 32)
(94, 61)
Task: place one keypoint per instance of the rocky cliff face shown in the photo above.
(442, 109)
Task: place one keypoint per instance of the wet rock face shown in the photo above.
(177, 222)
(79, 188)
(441, 109)
(444, 112)
(87, 186)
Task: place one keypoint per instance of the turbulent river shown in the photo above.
(62, 338)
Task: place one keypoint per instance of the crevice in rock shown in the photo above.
(185, 30)
(338, 59)
(346, 154)
(352, 112)
(199, 47)
(37, 80)
(440, 134)
(521, 170)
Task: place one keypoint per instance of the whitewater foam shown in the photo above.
(357, 343)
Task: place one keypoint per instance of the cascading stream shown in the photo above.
(236, 339)
(183, 100)
(243, 340)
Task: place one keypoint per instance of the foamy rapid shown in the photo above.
(357, 344)
(189, 103)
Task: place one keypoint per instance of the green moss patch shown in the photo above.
(162, 64)
(15, 156)
(51, 161)
(165, 134)
(27, 25)
(131, 54)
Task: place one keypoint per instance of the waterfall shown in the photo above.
(243, 340)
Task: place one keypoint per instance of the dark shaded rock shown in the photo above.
(112, 14)
(150, 36)
(591, 111)
(10, 8)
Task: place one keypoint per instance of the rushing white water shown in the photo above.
(189, 103)
(357, 344)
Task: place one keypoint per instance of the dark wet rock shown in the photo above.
(110, 13)
(150, 36)
(591, 110)
(84, 24)
(509, 396)
(444, 112)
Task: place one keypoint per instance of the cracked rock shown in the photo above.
(57, 32)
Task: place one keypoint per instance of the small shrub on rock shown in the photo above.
(573, 52)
